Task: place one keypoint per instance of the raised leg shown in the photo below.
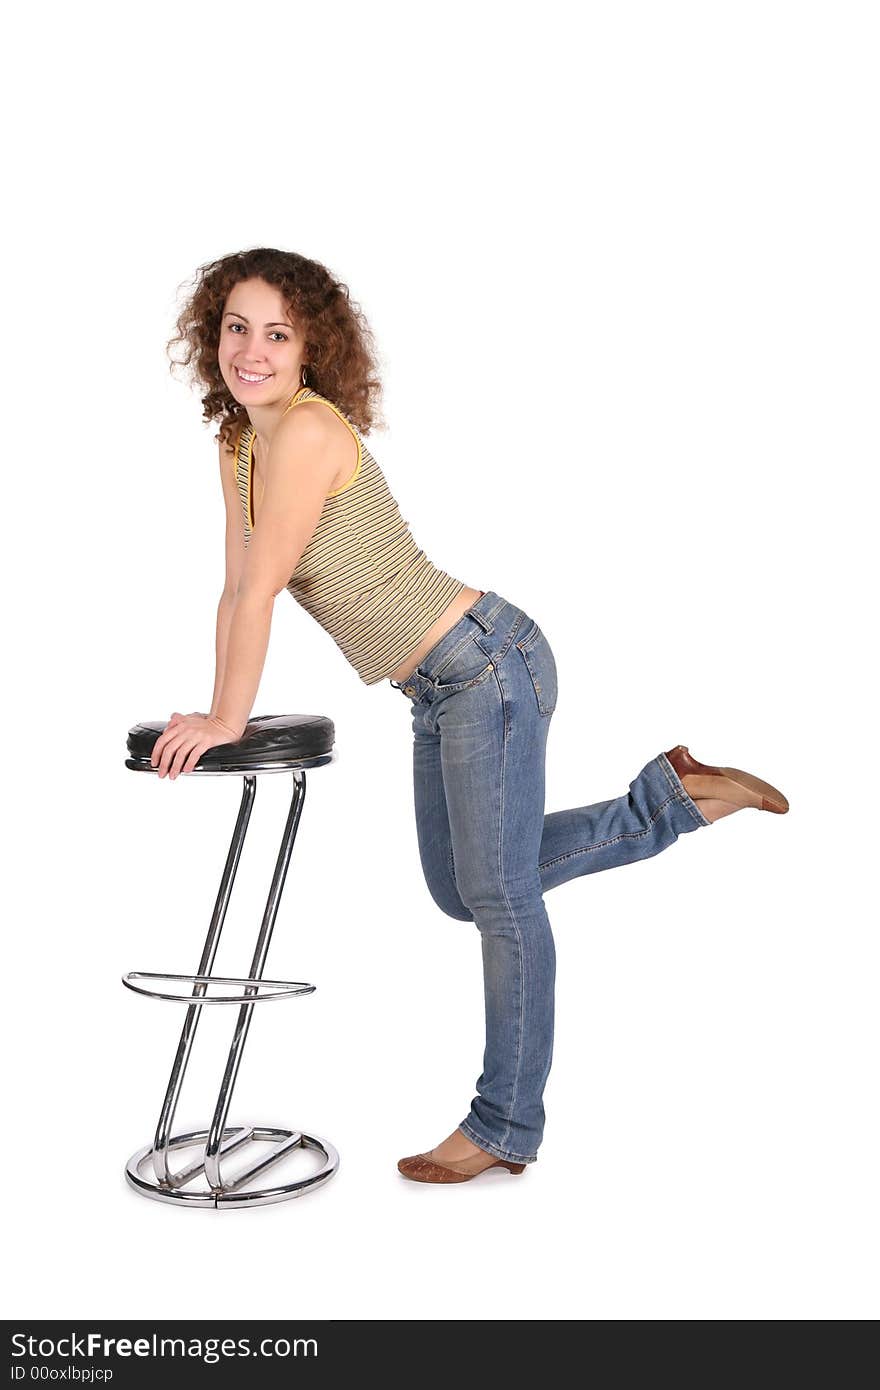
(582, 840)
(647, 819)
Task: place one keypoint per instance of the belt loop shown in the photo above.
(484, 622)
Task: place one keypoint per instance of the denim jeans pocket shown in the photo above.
(541, 666)
(469, 666)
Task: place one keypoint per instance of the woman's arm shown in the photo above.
(235, 553)
(302, 465)
(221, 643)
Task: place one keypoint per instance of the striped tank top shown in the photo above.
(361, 577)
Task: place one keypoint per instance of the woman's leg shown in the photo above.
(432, 820)
(648, 819)
(489, 851)
(584, 840)
(492, 746)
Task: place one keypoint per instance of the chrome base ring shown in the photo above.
(231, 1194)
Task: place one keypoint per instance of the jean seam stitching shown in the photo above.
(471, 637)
(453, 687)
(521, 1020)
(483, 1143)
(504, 709)
(529, 638)
(544, 712)
(625, 835)
(452, 870)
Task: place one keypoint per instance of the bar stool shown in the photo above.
(270, 744)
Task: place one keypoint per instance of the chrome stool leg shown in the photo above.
(193, 1014)
(222, 1139)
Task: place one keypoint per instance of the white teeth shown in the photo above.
(249, 376)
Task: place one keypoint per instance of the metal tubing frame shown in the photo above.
(218, 1124)
(191, 1022)
(220, 1138)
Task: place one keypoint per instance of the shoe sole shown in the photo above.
(418, 1168)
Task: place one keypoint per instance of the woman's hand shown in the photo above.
(185, 738)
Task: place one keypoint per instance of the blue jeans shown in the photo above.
(482, 701)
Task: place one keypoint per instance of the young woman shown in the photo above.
(285, 363)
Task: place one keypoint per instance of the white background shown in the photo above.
(620, 260)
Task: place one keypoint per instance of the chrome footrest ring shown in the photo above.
(276, 989)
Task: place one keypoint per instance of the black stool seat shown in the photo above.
(269, 741)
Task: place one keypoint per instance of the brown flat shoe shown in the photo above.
(727, 783)
(421, 1168)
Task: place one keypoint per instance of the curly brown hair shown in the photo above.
(341, 358)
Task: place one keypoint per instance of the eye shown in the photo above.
(276, 333)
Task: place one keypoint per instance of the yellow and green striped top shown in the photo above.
(361, 577)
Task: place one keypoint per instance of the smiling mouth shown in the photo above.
(251, 377)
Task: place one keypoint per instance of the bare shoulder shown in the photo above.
(318, 419)
(311, 425)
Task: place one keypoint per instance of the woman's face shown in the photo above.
(261, 351)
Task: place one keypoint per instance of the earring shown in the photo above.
(303, 375)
